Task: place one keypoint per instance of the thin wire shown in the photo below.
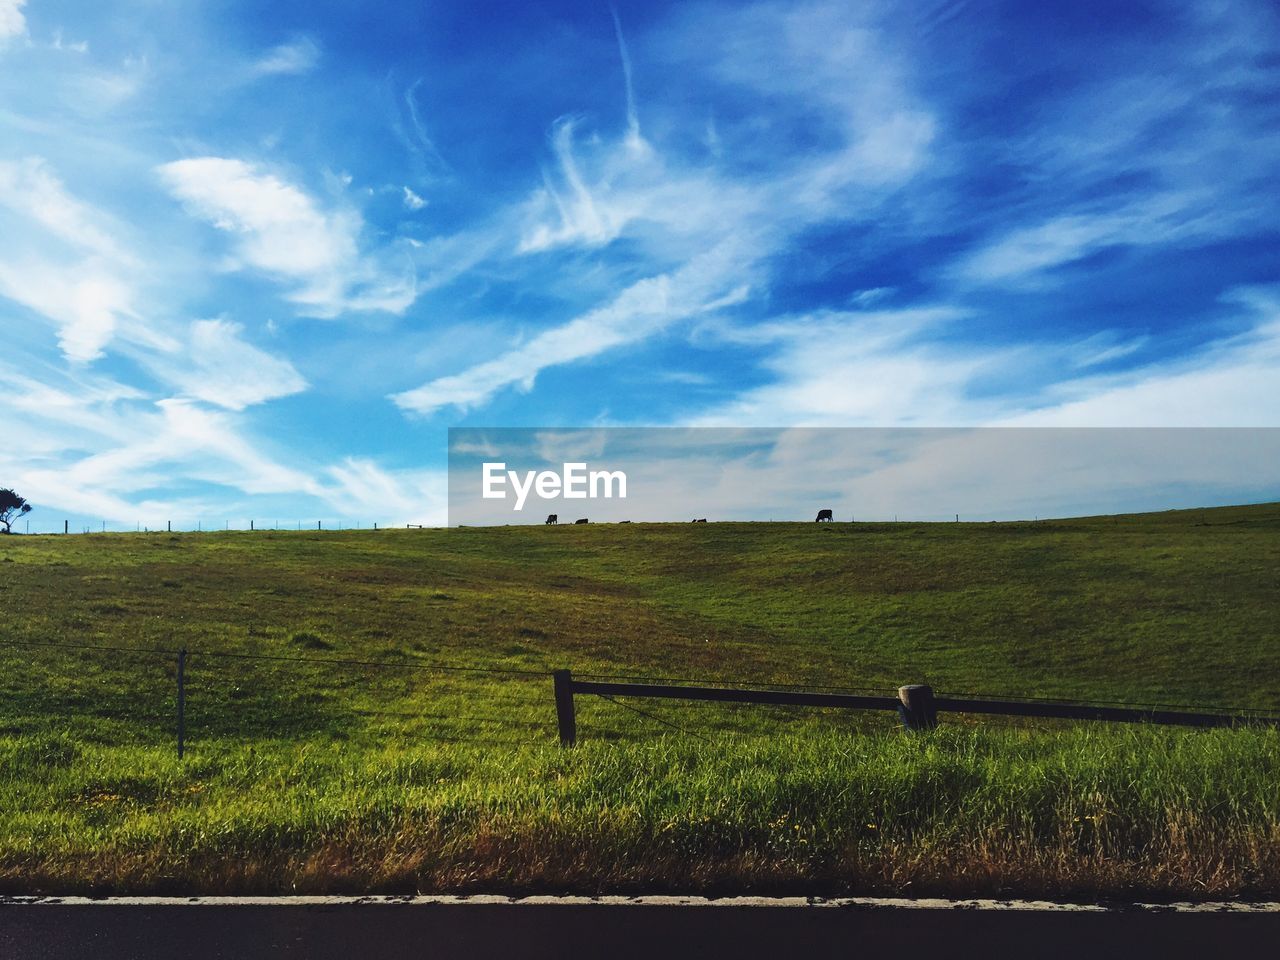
(411, 665)
(453, 668)
(1260, 711)
(88, 646)
(653, 716)
(425, 716)
(225, 654)
(727, 682)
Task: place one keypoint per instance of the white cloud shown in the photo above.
(216, 365)
(642, 309)
(1232, 383)
(582, 218)
(295, 57)
(282, 231)
(858, 368)
(47, 422)
(633, 139)
(420, 144)
(12, 22)
(412, 200)
(679, 218)
(98, 91)
(1167, 147)
(1023, 252)
(76, 46)
(67, 261)
(835, 69)
(97, 448)
(1030, 249)
(30, 188)
(893, 368)
(359, 487)
(85, 301)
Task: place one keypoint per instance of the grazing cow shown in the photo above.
(703, 520)
(583, 520)
(553, 518)
(825, 515)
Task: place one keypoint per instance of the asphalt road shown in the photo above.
(617, 928)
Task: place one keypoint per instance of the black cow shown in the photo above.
(825, 515)
(583, 520)
(703, 520)
(553, 518)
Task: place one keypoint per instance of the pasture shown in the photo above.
(373, 711)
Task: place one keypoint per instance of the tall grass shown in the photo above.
(1076, 813)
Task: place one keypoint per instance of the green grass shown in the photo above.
(306, 775)
(1079, 813)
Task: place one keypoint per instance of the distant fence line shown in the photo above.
(200, 526)
(915, 704)
(249, 526)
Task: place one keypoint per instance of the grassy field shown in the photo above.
(328, 750)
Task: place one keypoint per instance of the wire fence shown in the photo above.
(80, 527)
(193, 695)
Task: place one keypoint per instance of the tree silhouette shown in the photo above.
(12, 506)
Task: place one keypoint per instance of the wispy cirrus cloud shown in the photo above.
(1232, 381)
(30, 187)
(1143, 152)
(62, 259)
(361, 487)
(283, 232)
(712, 231)
(218, 366)
(298, 56)
(885, 368)
(644, 308)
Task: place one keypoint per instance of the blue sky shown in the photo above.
(255, 259)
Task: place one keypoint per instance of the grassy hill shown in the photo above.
(331, 749)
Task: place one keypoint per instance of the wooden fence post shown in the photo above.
(182, 701)
(564, 707)
(916, 707)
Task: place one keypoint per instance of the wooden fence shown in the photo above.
(915, 704)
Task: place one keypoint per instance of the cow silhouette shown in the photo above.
(553, 518)
(583, 520)
(824, 515)
(703, 520)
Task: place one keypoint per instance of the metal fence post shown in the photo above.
(564, 707)
(182, 701)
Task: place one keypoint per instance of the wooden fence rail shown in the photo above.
(915, 704)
